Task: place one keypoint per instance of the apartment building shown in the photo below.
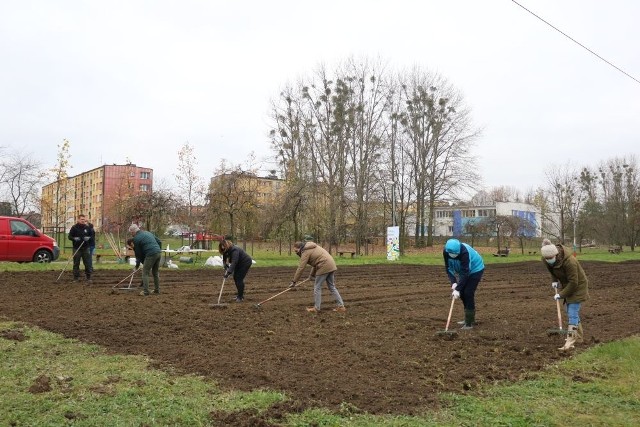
(94, 193)
(264, 189)
(454, 220)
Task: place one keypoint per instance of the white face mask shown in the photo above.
(453, 255)
(551, 261)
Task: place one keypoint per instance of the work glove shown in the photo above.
(557, 297)
(292, 284)
(227, 274)
(554, 285)
(86, 238)
(76, 239)
(137, 266)
(454, 286)
(455, 294)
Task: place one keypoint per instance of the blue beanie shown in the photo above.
(452, 246)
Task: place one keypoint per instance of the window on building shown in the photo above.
(468, 213)
(145, 175)
(486, 212)
(144, 187)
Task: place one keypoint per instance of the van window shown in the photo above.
(19, 228)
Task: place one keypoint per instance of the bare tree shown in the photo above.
(56, 208)
(366, 105)
(397, 170)
(190, 184)
(440, 136)
(22, 177)
(292, 149)
(619, 181)
(232, 195)
(151, 209)
(563, 201)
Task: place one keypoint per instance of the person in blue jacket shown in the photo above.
(464, 267)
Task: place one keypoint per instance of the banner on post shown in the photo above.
(393, 243)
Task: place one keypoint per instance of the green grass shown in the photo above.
(88, 387)
(273, 258)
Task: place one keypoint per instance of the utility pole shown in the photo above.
(393, 203)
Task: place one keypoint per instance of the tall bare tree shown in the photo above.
(365, 112)
(232, 196)
(58, 206)
(190, 184)
(151, 209)
(441, 135)
(22, 177)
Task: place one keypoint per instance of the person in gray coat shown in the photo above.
(323, 268)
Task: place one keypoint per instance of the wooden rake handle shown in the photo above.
(559, 312)
(453, 300)
(280, 293)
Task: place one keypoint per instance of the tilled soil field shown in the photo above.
(384, 355)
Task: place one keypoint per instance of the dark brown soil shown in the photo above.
(384, 355)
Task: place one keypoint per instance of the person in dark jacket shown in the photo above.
(323, 269)
(237, 263)
(81, 235)
(147, 246)
(570, 281)
(462, 260)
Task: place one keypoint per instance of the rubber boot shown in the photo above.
(469, 319)
(572, 336)
(579, 333)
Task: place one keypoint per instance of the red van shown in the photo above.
(21, 241)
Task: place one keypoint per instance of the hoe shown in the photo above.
(558, 331)
(447, 332)
(220, 305)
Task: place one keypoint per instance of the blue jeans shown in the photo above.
(573, 312)
(317, 290)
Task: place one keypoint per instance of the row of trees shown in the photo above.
(351, 140)
(595, 204)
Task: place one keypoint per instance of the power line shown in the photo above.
(578, 43)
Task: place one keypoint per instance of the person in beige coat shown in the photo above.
(570, 281)
(323, 268)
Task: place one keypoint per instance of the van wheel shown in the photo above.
(42, 255)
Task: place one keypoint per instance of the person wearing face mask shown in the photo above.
(464, 267)
(570, 280)
(323, 268)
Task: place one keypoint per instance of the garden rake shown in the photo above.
(447, 332)
(220, 305)
(69, 260)
(259, 305)
(130, 277)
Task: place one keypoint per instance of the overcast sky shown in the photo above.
(134, 80)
